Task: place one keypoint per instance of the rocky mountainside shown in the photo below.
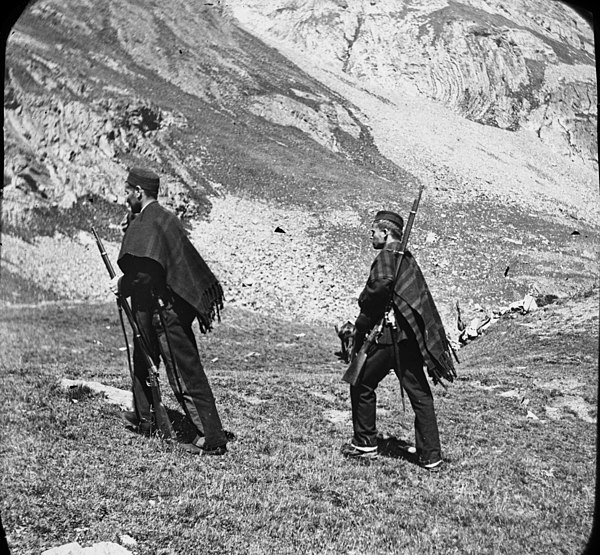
(279, 127)
(519, 65)
(184, 88)
(527, 67)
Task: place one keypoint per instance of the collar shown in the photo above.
(146, 206)
(393, 246)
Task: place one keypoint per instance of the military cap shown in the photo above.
(146, 179)
(390, 217)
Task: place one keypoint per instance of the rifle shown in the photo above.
(160, 416)
(354, 370)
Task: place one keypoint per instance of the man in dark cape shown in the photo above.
(414, 303)
(412, 337)
(170, 286)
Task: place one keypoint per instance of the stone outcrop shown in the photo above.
(318, 120)
(59, 148)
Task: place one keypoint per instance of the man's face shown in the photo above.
(378, 237)
(132, 199)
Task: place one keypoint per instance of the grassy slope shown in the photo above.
(71, 472)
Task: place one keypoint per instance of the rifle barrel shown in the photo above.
(162, 418)
(411, 219)
(104, 255)
(408, 229)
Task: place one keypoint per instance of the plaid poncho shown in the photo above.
(413, 304)
(157, 234)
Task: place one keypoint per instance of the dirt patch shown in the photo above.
(572, 405)
(337, 416)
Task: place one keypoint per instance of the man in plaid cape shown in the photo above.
(412, 338)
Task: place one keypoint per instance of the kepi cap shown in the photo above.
(146, 179)
(390, 217)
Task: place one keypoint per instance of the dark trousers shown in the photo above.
(177, 348)
(416, 386)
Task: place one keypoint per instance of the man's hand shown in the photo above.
(127, 219)
(114, 284)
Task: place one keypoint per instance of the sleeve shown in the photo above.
(140, 275)
(377, 293)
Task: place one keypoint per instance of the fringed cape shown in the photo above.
(158, 234)
(414, 302)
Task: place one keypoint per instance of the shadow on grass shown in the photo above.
(184, 429)
(395, 448)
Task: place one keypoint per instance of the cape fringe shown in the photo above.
(212, 305)
(443, 370)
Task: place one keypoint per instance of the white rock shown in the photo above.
(105, 548)
(126, 539)
(113, 395)
(101, 548)
(72, 548)
(529, 303)
(431, 237)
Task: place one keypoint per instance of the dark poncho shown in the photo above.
(415, 304)
(157, 234)
(415, 309)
